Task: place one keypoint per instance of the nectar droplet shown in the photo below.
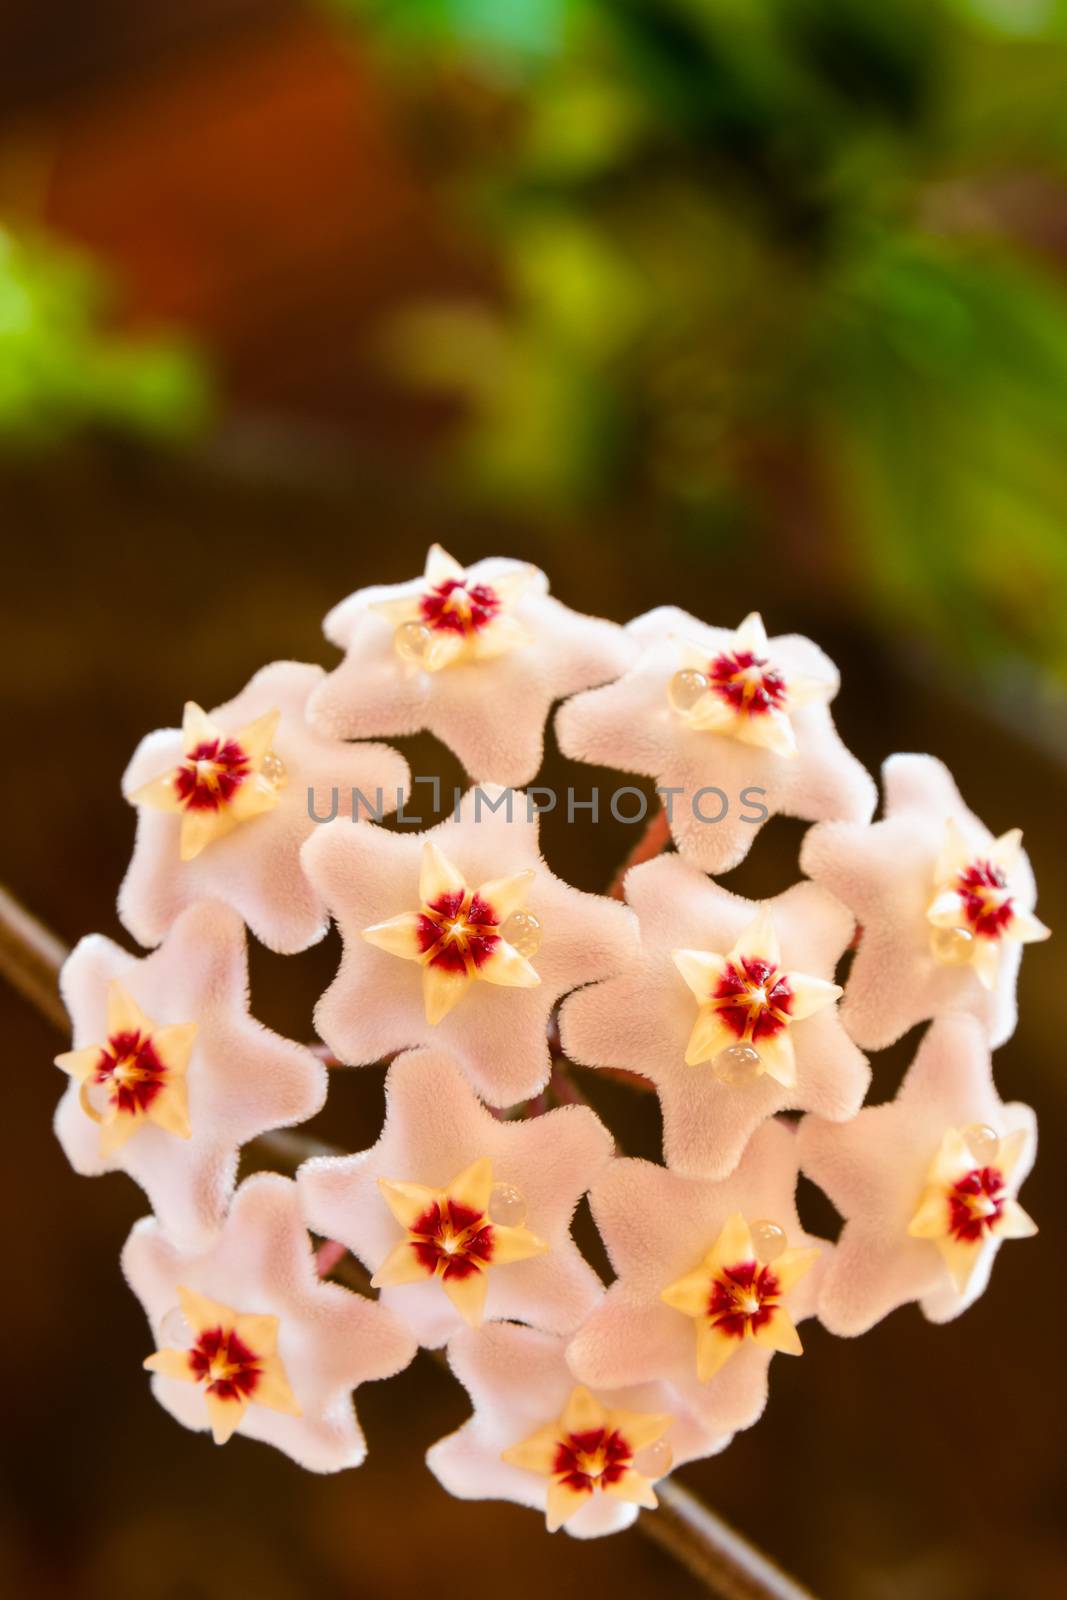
(413, 641)
(174, 1331)
(507, 1205)
(274, 769)
(686, 688)
(983, 1142)
(654, 1460)
(768, 1239)
(522, 930)
(95, 1097)
(738, 1063)
(953, 946)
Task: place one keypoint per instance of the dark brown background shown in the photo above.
(240, 165)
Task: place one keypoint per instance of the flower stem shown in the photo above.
(654, 840)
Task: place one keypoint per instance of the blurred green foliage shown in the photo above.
(61, 369)
(748, 244)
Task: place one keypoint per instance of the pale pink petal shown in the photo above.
(875, 1168)
(329, 1340)
(727, 787)
(375, 1006)
(641, 1019)
(242, 1079)
(885, 873)
(435, 1127)
(256, 867)
(658, 1226)
(518, 1381)
(490, 712)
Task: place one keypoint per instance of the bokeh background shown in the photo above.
(727, 303)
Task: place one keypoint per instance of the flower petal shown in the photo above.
(811, 995)
(399, 936)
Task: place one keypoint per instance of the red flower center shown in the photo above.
(974, 1203)
(753, 998)
(452, 1241)
(747, 682)
(131, 1069)
(458, 932)
(210, 774)
(743, 1297)
(987, 904)
(456, 606)
(586, 1461)
(225, 1364)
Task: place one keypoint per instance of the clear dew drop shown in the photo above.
(686, 688)
(953, 946)
(768, 1239)
(413, 641)
(95, 1097)
(982, 1141)
(507, 1205)
(274, 769)
(174, 1332)
(522, 930)
(654, 1460)
(738, 1063)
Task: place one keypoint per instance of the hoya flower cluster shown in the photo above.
(462, 955)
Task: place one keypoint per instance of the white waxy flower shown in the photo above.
(737, 727)
(728, 1007)
(926, 1184)
(712, 1279)
(435, 926)
(170, 1075)
(461, 1216)
(944, 907)
(587, 1459)
(475, 655)
(248, 1339)
(225, 803)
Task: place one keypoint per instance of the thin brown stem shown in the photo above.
(654, 840)
(724, 1562)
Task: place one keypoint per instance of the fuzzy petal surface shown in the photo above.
(376, 1005)
(435, 1127)
(629, 724)
(241, 1080)
(491, 711)
(875, 1170)
(885, 873)
(641, 1020)
(519, 1382)
(329, 1340)
(658, 1227)
(256, 867)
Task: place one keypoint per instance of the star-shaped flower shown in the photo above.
(488, 1002)
(671, 1239)
(249, 1339)
(460, 935)
(945, 908)
(588, 1460)
(738, 727)
(170, 1075)
(460, 1215)
(225, 804)
(926, 1184)
(718, 1060)
(233, 1357)
(135, 1075)
(476, 656)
